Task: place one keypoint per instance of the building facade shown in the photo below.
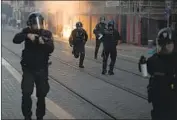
(137, 21)
(21, 9)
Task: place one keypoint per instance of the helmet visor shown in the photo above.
(37, 22)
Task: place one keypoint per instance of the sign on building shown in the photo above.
(116, 3)
(168, 9)
(112, 3)
(168, 4)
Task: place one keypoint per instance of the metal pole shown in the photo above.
(168, 14)
(129, 9)
(120, 9)
(168, 21)
(148, 16)
(139, 20)
(90, 20)
(79, 10)
(104, 10)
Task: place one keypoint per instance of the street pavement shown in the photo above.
(80, 93)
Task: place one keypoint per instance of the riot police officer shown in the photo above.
(162, 67)
(112, 38)
(99, 30)
(77, 40)
(38, 46)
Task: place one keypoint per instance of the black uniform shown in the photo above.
(34, 64)
(78, 39)
(100, 27)
(162, 88)
(109, 43)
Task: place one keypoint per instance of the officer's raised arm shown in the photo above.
(118, 37)
(96, 30)
(48, 42)
(20, 37)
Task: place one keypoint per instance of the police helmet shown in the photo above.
(35, 18)
(79, 24)
(111, 23)
(164, 37)
(102, 19)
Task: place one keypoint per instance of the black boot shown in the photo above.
(111, 67)
(111, 73)
(39, 118)
(95, 57)
(104, 72)
(26, 106)
(81, 66)
(40, 111)
(27, 118)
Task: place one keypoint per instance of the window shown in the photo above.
(26, 2)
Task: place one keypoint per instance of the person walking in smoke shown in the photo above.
(111, 40)
(99, 33)
(77, 40)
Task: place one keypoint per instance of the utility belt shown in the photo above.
(173, 78)
(78, 40)
(157, 77)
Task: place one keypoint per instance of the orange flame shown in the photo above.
(68, 9)
(66, 31)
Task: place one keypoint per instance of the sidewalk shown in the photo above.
(12, 28)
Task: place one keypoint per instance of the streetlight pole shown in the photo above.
(168, 12)
(79, 10)
(149, 4)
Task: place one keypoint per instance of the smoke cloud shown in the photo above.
(65, 13)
